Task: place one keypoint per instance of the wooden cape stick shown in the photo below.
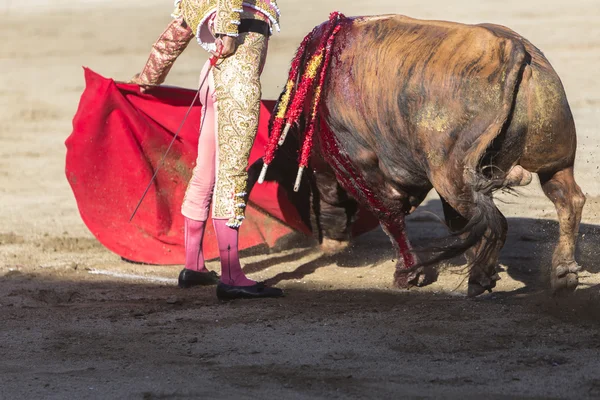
(213, 62)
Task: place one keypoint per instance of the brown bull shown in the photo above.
(410, 105)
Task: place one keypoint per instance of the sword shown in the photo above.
(213, 62)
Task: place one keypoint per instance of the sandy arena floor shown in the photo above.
(77, 322)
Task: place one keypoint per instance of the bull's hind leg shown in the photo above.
(568, 199)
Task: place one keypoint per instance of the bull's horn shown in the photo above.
(298, 179)
(263, 173)
(284, 134)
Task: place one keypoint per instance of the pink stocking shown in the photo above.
(231, 270)
(194, 232)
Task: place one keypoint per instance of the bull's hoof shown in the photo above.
(567, 268)
(330, 247)
(564, 277)
(476, 288)
(401, 281)
(481, 279)
(420, 277)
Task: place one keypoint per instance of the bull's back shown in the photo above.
(405, 88)
(419, 93)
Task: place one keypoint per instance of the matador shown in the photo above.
(237, 33)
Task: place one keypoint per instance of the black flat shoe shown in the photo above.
(258, 291)
(189, 278)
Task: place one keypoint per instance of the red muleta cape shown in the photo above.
(119, 136)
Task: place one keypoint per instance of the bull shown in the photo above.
(411, 105)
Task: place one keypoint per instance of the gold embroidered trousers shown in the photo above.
(236, 91)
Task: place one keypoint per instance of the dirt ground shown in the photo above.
(77, 322)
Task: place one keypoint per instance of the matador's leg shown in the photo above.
(196, 202)
(237, 88)
(198, 196)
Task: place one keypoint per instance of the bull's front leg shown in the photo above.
(335, 213)
(405, 275)
(336, 224)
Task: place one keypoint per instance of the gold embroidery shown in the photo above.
(228, 17)
(238, 92)
(269, 9)
(196, 12)
(171, 43)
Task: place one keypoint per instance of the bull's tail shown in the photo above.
(485, 228)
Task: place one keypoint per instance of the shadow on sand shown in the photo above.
(526, 256)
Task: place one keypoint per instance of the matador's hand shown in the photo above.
(143, 86)
(225, 46)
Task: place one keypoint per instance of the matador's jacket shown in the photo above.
(236, 84)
